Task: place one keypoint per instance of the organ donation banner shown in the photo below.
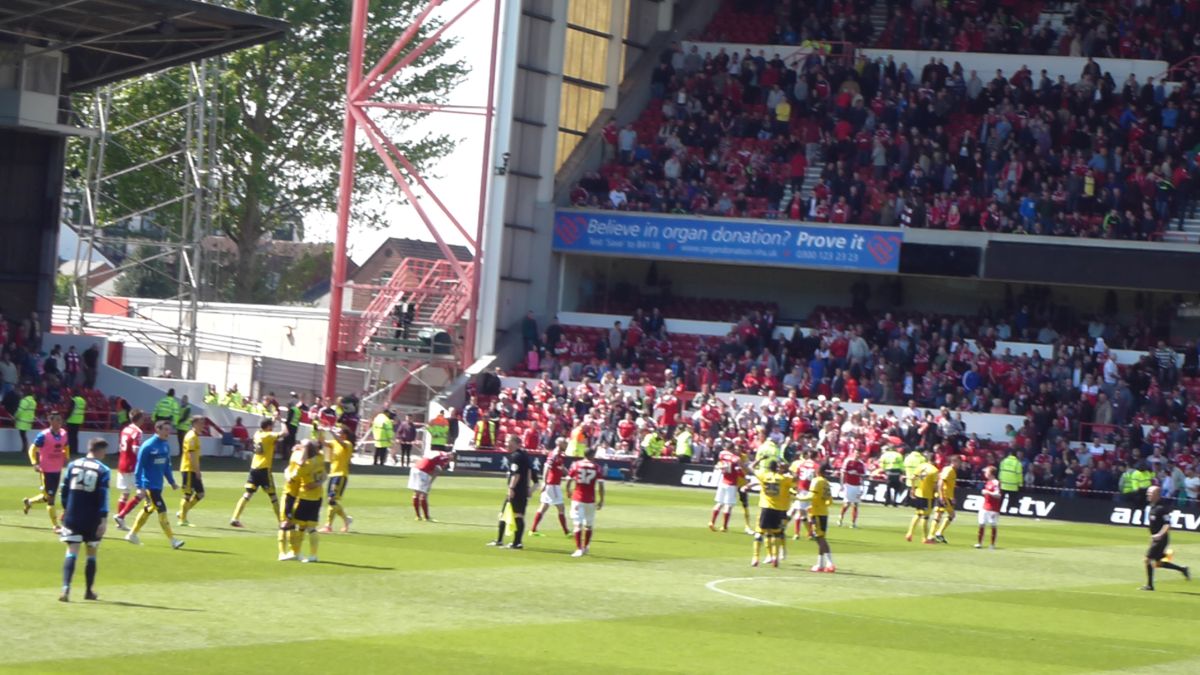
(726, 240)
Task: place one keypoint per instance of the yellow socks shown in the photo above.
(142, 517)
(165, 523)
(913, 525)
(241, 506)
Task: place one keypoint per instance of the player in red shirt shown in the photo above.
(583, 480)
(990, 513)
(729, 467)
(552, 476)
(803, 470)
(853, 471)
(420, 480)
(131, 441)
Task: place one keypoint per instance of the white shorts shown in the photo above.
(801, 503)
(727, 495)
(552, 495)
(126, 482)
(583, 513)
(989, 518)
(420, 481)
(852, 494)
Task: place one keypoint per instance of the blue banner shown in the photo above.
(748, 241)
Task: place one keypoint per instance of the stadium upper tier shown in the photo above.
(894, 144)
(1098, 28)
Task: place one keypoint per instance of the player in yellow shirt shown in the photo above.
(774, 497)
(818, 514)
(944, 514)
(305, 478)
(338, 450)
(189, 468)
(263, 446)
(924, 489)
(291, 492)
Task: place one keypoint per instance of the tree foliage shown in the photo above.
(280, 130)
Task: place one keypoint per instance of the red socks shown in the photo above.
(726, 526)
(417, 503)
(562, 520)
(578, 539)
(537, 518)
(587, 537)
(129, 506)
(425, 505)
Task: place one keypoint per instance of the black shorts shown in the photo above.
(820, 525)
(519, 501)
(154, 501)
(337, 487)
(307, 511)
(260, 478)
(80, 531)
(192, 483)
(771, 520)
(1158, 549)
(50, 484)
(921, 504)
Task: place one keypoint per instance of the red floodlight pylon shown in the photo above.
(360, 90)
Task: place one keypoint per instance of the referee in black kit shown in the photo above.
(520, 474)
(1159, 555)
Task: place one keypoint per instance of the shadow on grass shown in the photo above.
(357, 567)
(843, 573)
(373, 534)
(39, 528)
(138, 605)
(450, 522)
(205, 551)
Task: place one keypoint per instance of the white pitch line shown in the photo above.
(716, 583)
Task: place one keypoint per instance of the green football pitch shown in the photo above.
(659, 593)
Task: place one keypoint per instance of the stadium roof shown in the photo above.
(109, 40)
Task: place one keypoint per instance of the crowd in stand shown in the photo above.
(911, 145)
(35, 381)
(1098, 28)
(1086, 419)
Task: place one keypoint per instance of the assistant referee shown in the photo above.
(1159, 553)
(520, 476)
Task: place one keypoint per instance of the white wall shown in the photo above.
(296, 333)
(224, 370)
(1069, 67)
(10, 441)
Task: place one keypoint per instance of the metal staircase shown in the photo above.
(440, 301)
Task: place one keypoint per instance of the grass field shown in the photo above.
(660, 593)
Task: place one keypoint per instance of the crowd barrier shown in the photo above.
(1038, 503)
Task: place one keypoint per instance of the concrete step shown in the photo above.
(879, 17)
(1176, 237)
